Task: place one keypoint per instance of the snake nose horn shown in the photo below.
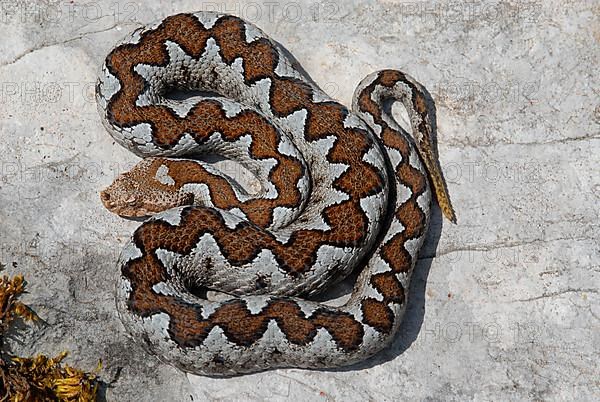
(106, 199)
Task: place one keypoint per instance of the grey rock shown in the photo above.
(504, 305)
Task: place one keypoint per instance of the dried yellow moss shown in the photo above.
(39, 378)
(10, 307)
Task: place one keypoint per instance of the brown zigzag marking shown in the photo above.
(240, 245)
(378, 314)
(208, 117)
(189, 329)
(259, 211)
(347, 220)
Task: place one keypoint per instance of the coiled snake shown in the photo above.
(338, 189)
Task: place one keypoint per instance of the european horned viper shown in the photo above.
(339, 189)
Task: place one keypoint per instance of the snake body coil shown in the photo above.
(337, 188)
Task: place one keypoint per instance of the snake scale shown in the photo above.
(339, 189)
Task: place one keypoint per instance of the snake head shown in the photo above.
(145, 190)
